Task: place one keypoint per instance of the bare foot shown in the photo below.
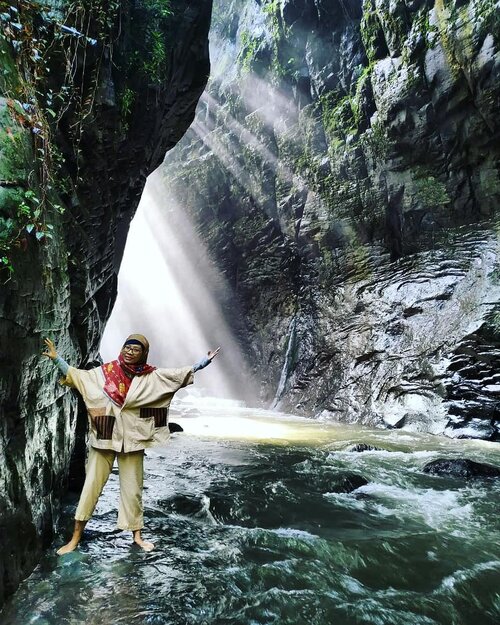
(71, 546)
(144, 544)
(75, 539)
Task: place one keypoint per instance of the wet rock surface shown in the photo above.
(463, 468)
(344, 174)
(360, 447)
(175, 427)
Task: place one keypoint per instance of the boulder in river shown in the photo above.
(347, 482)
(359, 447)
(461, 467)
(175, 427)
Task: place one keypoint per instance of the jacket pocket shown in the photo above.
(103, 423)
(160, 416)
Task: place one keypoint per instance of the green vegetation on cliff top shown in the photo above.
(51, 55)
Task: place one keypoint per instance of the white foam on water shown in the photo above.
(294, 533)
(346, 500)
(286, 532)
(223, 420)
(193, 399)
(384, 453)
(448, 583)
(438, 509)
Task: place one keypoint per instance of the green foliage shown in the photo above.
(233, 102)
(356, 105)
(342, 114)
(26, 221)
(371, 29)
(155, 64)
(283, 62)
(15, 150)
(421, 29)
(283, 69)
(430, 192)
(248, 48)
(376, 140)
(383, 27)
(34, 36)
(272, 9)
(337, 114)
(461, 30)
(446, 37)
(126, 99)
(8, 70)
(147, 53)
(160, 8)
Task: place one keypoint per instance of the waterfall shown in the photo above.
(285, 372)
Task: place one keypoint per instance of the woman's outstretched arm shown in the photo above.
(206, 360)
(51, 353)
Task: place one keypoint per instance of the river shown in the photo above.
(261, 519)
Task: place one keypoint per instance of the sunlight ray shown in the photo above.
(174, 295)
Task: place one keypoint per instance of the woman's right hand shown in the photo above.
(51, 351)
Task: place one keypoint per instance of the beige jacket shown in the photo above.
(142, 421)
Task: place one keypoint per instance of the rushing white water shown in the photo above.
(170, 291)
(253, 524)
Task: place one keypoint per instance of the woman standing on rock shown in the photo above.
(127, 402)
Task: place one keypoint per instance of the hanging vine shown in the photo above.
(53, 56)
(40, 38)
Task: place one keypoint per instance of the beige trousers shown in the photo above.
(130, 470)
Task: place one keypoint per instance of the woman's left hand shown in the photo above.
(212, 355)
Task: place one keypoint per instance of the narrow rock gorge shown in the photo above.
(343, 169)
(92, 95)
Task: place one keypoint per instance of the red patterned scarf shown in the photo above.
(118, 377)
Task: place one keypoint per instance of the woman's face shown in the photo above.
(132, 354)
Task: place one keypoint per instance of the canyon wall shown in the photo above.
(92, 95)
(343, 169)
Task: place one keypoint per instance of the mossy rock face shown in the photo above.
(15, 145)
(16, 159)
(372, 32)
(9, 77)
(346, 137)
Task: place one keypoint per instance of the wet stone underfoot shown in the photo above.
(281, 524)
